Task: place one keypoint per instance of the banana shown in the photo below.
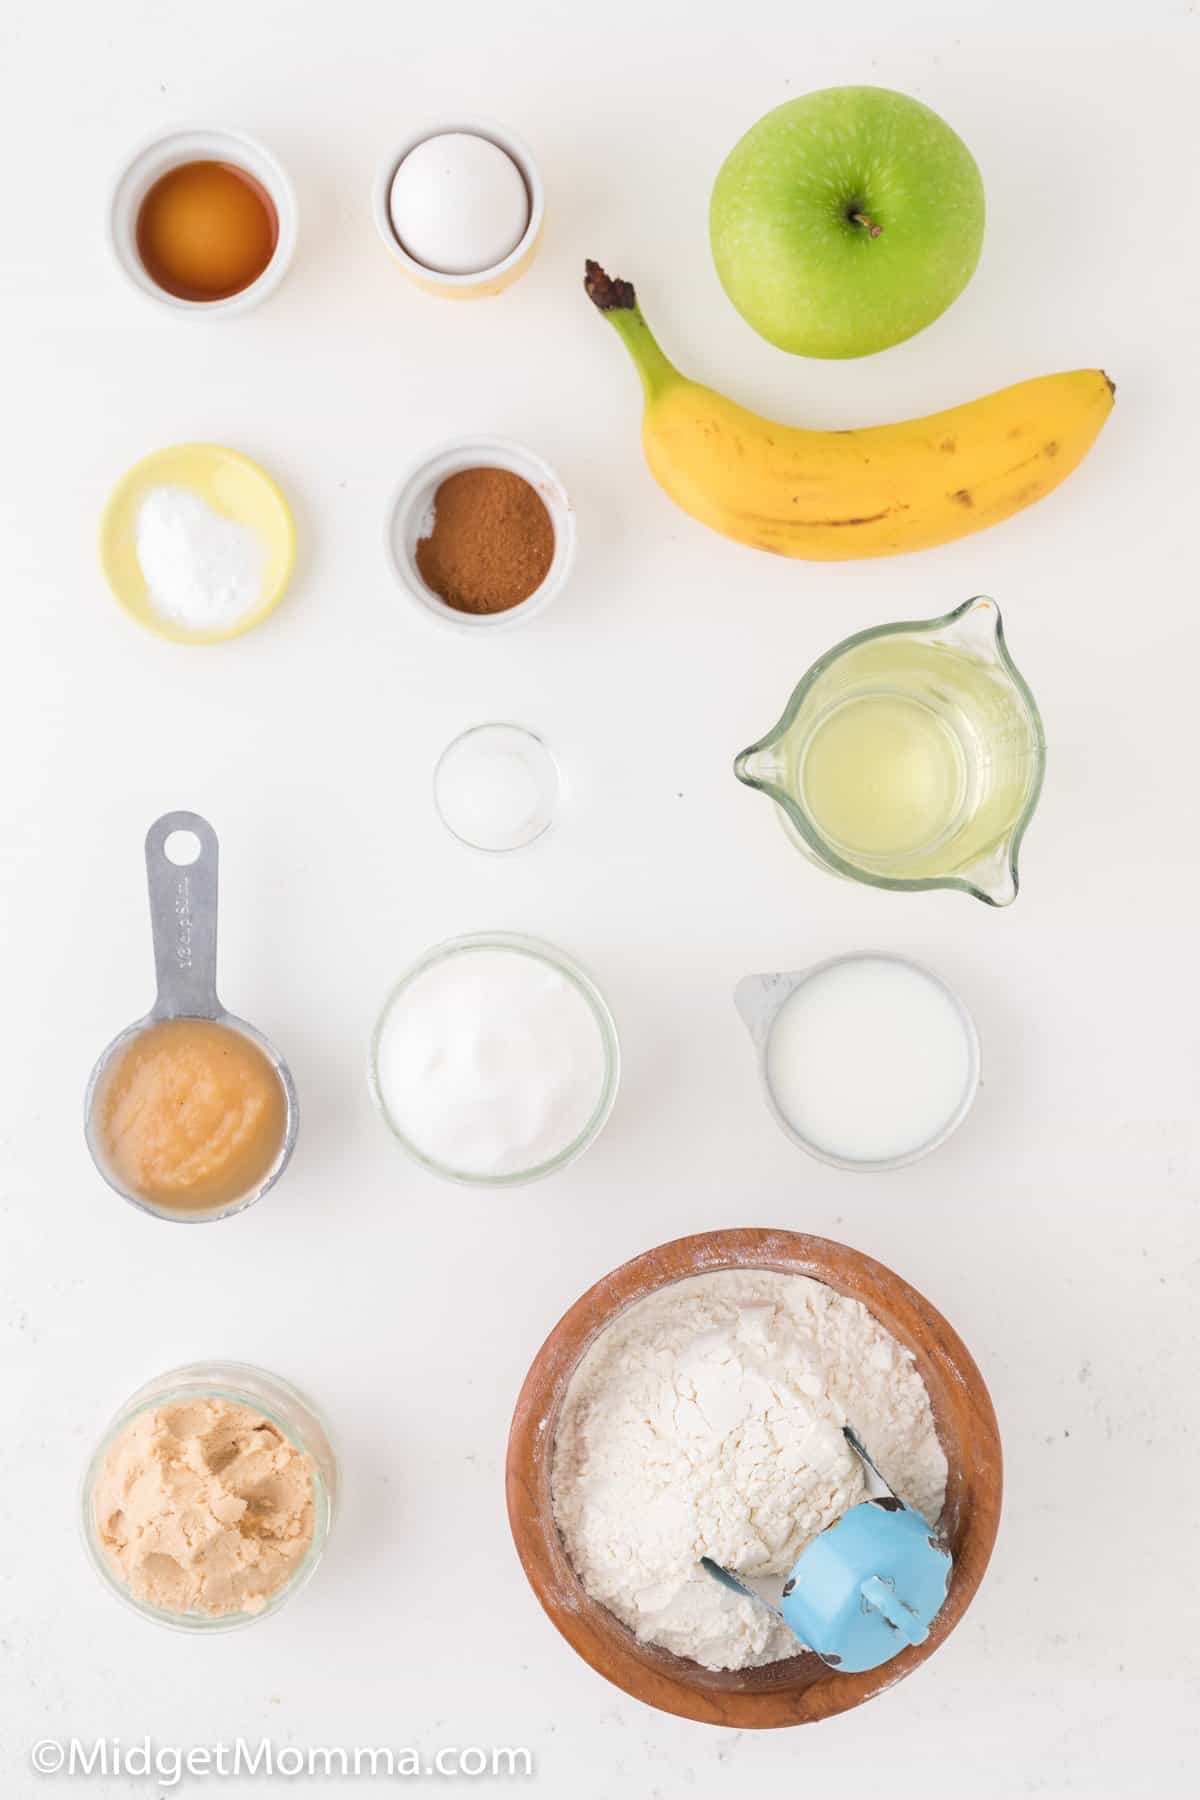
(831, 496)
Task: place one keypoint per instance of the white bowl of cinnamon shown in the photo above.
(481, 534)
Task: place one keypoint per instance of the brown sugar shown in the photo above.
(492, 541)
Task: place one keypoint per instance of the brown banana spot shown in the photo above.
(964, 497)
(866, 519)
(949, 445)
(821, 524)
(1050, 449)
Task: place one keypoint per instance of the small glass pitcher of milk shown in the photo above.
(910, 756)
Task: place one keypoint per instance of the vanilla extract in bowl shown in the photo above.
(206, 230)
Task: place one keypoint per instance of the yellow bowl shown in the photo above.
(233, 486)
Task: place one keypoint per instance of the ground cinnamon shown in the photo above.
(492, 541)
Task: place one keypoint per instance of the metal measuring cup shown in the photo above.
(183, 919)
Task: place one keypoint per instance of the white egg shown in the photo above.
(458, 204)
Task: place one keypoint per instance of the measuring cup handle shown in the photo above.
(183, 918)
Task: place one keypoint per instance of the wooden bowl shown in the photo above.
(801, 1689)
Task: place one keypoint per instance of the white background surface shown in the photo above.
(1058, 1231)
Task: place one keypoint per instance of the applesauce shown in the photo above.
(191, 1116)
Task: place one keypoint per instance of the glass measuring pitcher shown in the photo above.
(909, 757)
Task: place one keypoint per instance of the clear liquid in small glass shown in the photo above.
(911, 754)
(884, 776)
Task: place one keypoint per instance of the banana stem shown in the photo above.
(618, 302)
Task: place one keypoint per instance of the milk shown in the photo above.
(871, 1060)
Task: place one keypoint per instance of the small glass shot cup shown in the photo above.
(497, 788)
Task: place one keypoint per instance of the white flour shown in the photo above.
(706, 1421)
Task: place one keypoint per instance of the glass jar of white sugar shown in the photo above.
(495, 1060)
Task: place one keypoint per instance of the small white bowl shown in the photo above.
(480, 282)
(408, 516)
(200, 143)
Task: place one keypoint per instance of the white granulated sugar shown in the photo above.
(706, 1421)
(490, 1061)
(202, 570)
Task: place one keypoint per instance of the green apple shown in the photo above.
(846, 220)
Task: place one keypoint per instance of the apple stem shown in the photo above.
(860, 218)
